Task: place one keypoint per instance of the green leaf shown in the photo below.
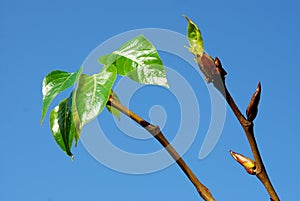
(91, 96)
(111, 109)
(108, 59)
(194, 37)
(53, 84)
(138, 59)
(62, 125)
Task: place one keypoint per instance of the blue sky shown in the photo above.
(256, 41)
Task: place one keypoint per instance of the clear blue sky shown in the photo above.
(256, 40)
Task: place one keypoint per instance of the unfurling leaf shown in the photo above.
(91, 96)
(111, 109)
(138, 59)
(252, 108)
(212, 69)
(62, 125)
(247, 163)
(194, 38)
(53, 84)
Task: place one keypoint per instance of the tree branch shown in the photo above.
(247, 124)
(156, 132)
(260, 170)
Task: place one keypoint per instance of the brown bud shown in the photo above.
(221, 70)
(218, 63)
(247, 163)
(207, 66)
(252, 108)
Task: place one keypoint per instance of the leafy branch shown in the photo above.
(215, 73)
(138, 60)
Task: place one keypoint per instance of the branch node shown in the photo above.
(154, 130)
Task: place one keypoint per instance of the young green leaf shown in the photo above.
(53, 84)
(91, 96)
(62, 125)
(194, 38)
(138, 59)
(111, 109)
(108, 59)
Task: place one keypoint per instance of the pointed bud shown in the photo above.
(252, 108)
(247, 163)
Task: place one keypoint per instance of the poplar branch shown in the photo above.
(156, 132)
(248, 126)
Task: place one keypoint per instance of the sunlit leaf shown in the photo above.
(138, 59)
(108, 59)
(194, 38)
(53, 84)
(111, 109)
(91, 96)
(62, 125)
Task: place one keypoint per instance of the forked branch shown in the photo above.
(259, 170)
(256, 167)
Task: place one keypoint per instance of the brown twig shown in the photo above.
(260, 170)
(156, 132)
(218, 79)
(248, 128)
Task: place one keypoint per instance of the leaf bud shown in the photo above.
(221, 70)
(246, 162)
(252, 108)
